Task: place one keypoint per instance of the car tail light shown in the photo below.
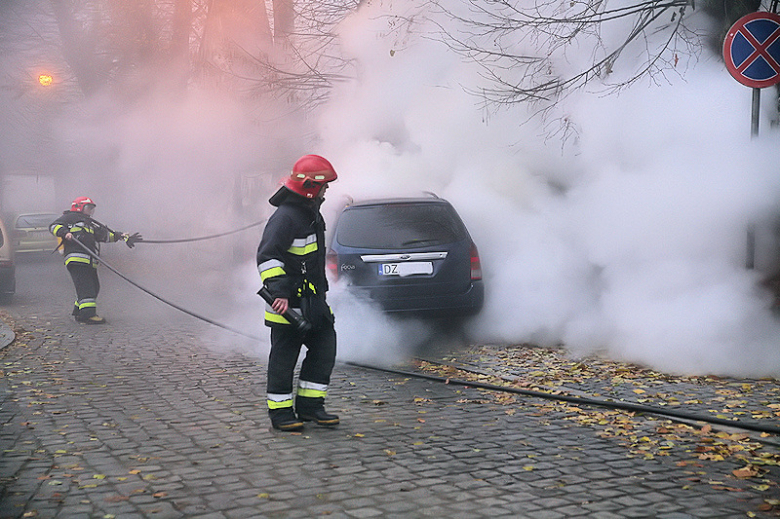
(331, 264)
(6, 264)
(476, 265)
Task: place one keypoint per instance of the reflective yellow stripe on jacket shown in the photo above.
(303, 246)
(79, 257)
(273, 317)
(271, 269)
(79, 227)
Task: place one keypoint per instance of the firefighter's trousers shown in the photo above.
(85, 279)
(316, 367)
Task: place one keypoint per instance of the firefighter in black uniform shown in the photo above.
(78, 223)
(291, 262)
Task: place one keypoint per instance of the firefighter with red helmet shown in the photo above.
(77, 230)
(291, 263)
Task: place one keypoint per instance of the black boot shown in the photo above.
(284, 419)
(89, 318)
(313, 410)
(95, 319)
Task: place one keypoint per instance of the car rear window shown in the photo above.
(35, 220)
(393, 226)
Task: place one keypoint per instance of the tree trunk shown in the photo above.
(236, 37)
(180, 42)
(284, 21)
(77, 48)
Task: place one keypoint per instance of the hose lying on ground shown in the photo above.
(160, 298)
(612, 404)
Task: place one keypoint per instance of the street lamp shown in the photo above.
(45, 80)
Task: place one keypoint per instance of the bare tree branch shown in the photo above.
(519, 48)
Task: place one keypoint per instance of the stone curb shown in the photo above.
(7, 335)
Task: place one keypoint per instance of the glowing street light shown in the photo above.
(45, 80)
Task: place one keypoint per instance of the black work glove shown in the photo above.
(130, 240)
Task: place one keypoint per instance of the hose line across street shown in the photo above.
(595, 402)
(202, 238)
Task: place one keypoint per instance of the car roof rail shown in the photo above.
(346, 201)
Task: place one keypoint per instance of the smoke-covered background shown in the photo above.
(610, 221)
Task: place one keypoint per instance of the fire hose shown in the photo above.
(292, 314)
(201, 238)
(595, 402)
(302, 325)
(158, 297)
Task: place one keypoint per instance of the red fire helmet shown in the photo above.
(80, 203)
(309, 174)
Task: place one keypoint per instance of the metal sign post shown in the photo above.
(756, 110)
(751, 51)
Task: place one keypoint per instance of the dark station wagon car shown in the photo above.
(411, 255)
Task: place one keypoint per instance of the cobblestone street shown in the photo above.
(127, 421)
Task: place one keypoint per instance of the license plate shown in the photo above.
(405, 269)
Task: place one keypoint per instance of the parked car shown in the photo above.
(31, 232)
(410, 255)
(7, 266)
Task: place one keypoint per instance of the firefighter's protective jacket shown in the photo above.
(87, 231)
(291, 255)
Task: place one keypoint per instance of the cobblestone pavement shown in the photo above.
(153, 421)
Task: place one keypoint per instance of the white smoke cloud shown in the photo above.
(629, 242)
(626, 239)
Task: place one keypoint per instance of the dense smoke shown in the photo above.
(629, 240)
(614, 225)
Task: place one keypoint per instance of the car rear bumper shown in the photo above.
(466, 303)
(32, 250)
(7, 280)
(35, 246)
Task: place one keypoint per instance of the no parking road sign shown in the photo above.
(752, 50)
(752, 54)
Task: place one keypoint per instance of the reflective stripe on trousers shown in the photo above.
(279, 401)
(312, 389)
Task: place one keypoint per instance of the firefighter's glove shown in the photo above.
(131, 239)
